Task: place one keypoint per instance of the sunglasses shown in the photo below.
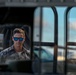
(16, 39)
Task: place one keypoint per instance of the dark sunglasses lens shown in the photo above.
(15, 38)
(20, 39)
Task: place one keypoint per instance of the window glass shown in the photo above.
(36, 32)
(46, 55)
(71, 53)
(61, 25)
(61, 39)
(47, 25)
(60, 60)
(72, 25)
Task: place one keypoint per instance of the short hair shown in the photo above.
(18, 30)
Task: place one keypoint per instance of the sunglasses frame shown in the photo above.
(16, 39)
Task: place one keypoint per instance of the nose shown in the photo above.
(18, 40)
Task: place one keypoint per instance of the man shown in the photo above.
(16, 51)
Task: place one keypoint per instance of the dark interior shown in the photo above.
(23, 15)
(10, 18)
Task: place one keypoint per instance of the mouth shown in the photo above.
(18, 44)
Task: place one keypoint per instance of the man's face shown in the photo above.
(18, 39)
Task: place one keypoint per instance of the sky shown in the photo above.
(48, 25)
(72, 22)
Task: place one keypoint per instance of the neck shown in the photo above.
(18, 49)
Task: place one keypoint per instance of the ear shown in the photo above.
(12, 38)
(24, 38)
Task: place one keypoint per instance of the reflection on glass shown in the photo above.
(60, 60)
(1, 41)
(46, 55)
(61, 55)
(71, 54)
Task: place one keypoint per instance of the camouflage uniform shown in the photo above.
(10, 54)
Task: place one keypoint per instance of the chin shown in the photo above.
(18, 45)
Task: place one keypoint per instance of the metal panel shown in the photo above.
(35, 3)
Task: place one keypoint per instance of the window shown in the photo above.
(47, 25)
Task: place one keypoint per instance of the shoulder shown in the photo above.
(26, 51)
(5, 51)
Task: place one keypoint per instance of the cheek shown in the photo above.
(23, 41)
(14, 41)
